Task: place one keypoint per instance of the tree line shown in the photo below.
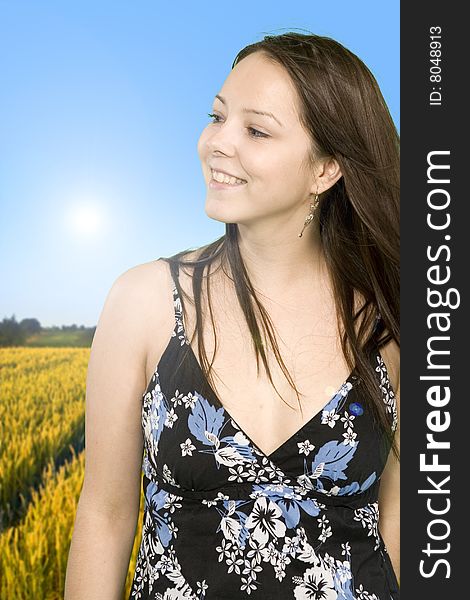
(17, 333)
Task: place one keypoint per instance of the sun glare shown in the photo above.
(85, 220)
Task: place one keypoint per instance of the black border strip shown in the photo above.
(434, 267)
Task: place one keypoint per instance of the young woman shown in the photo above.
(267, 362)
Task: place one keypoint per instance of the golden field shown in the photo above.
(42, 416)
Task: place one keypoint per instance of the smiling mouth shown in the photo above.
(217, 185)
(222, 178)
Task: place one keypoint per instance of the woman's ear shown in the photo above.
(328, 175)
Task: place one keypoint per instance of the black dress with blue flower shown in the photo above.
(225, 521)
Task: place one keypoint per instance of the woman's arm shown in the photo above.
(389, 508)
(389, 492)
(108, 508)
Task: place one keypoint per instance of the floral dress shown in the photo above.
(225, 521)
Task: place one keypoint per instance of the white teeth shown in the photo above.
(223, 178)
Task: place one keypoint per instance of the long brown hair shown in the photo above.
(346, 117)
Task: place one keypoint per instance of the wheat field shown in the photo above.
(42, 416)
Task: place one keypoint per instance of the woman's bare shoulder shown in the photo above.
(141, 302)
(135, 309)
(145, 273)
(146, 286)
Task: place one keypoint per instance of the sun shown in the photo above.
(85, 219)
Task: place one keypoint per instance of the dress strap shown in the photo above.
(179, 330)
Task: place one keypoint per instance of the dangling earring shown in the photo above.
(309, 217)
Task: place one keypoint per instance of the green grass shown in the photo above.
(55, 338)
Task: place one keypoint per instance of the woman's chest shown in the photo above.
(312, 360)
(204, 445)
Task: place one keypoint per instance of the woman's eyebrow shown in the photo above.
(252, 110)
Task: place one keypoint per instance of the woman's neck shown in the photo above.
(277, 262)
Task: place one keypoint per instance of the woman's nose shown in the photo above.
(222, 138)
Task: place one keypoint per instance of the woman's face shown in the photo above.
(268, 153)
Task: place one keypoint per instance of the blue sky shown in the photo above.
(101, 107)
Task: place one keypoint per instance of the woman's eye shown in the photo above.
(254, 132)
(213, 117)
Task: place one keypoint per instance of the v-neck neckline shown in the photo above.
(296, 433)
(180, 332)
